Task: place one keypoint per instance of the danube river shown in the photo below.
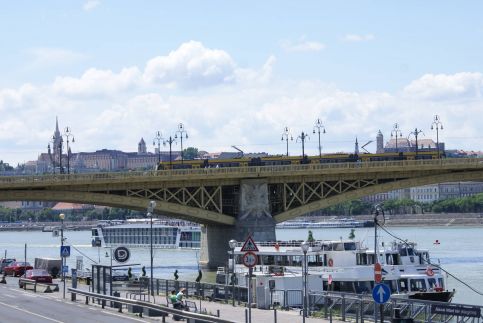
(460, 252)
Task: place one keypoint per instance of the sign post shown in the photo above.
(249, 260)
(381, 294)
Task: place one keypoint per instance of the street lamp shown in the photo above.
(170, 141)
(302, 138)
(305, 247)
(158, 139)
(286, 135)
(416, 132)
(62, 217)
(151, 206)
(396, 132)
(67, 134)
(439, 126)
(232, 244)
(181, 133)
(319, 126)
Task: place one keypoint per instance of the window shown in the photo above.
(418, 285)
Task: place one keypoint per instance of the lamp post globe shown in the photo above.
(305, 247)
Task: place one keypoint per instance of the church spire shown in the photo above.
(57, 132)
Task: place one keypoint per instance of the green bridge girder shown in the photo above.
(210, 196)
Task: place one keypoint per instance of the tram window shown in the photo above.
(418, 284)
(403, 285)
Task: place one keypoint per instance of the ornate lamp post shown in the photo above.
(170, 141)
(67, 134)
(438, 126)
(305, 247)
(158, 139)
(320, 129)
(416, 132)
(232, 244)
(62, 217)
(396, 132)
(152, 205)
(302, 138)
(286, 136)
(181, 133)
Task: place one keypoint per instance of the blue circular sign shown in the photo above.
(121, 254)
(381, 293)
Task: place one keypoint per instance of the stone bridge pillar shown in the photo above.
(254, 218)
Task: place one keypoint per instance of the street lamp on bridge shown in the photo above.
(416, 132)
(286, 136)
(170, 142)
(302, 138)
(438, 126)
(396, 132)
(158, 139)
(320, 129)
(181, 133)
(67, 134)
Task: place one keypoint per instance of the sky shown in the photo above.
(236, 73)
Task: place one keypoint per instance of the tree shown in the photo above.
(310, 238)
(352, 235)
(190, 153)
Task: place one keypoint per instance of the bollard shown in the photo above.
(330, 316)
(274, 315)
(217, 313)
(246, 315)
(3, 281)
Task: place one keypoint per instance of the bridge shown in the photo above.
(233, 202)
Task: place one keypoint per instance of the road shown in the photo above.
(20, 306)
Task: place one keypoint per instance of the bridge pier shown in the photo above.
(254, 218)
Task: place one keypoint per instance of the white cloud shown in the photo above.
(47, 57)
(302, 45)
(96, 82)
(91, 5)
(250, 109)
(358, 37)
(444, 86)
(191, 66)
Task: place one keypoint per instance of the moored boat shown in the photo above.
(136, 233)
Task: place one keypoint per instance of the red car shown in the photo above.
(17, 268)
(39, 275)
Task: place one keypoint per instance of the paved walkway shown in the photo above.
(227, 311)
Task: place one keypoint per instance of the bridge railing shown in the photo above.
(251, 170)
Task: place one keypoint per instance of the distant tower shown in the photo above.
(56, 141)
(380, 143)
(142, 147)
(356, 148)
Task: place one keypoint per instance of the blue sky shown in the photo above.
(237, 73)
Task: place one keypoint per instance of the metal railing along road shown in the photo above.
(240, 172)
(49, 287)
(159, 309)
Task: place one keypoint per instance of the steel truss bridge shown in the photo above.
(211, 195)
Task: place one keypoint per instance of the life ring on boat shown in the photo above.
(429, 271)
(438, 289)
(331, 262)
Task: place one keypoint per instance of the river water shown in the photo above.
(460, 252)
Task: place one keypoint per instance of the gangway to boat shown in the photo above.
(360, 307)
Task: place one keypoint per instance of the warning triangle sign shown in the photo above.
(249, 245)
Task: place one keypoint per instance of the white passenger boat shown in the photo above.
(339, 223)
(345, 266)
(136, 233)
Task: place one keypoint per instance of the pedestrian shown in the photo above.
(173, 298)
(181, 295)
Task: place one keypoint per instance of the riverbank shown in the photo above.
(431, 219)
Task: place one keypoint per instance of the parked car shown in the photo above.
(4, 262)
(39, 275)
(17, 268)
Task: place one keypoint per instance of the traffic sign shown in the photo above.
(121, 254)
(381, 293)
(249, 259)
(249, 245)
(377, 272)
(65, 251)
(65, 269)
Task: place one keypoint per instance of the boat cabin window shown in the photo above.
(423, 258)
(418, 284)
(370, 259)
(315, 260)
(361, 259)
(392, 284)
(407, 252)
(363, 287)
(435, 283)
(403, 285)
(349, 246)
(95, 233)
(392, 259)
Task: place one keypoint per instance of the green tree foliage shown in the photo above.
(352, 234)
(190, 153)
(310, 238)
(5, 166)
